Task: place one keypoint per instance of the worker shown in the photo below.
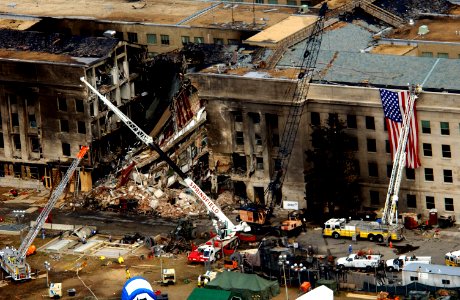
(128, 274)
(350, 249)
(120, 259)
(43, 233)
(110, 238)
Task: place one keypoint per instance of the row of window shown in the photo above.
(62, 104)
(64, 126)
(373, 171)
(412, 201)
(315, 119)
(152, 39)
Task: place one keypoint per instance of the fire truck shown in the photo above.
(213, 250)
(369, 230)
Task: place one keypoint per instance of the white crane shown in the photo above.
(144, 137)
(13, 260)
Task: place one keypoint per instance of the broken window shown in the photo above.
(233, 42)
(35, 144)
(81, 127)
(13, 99)
(198, 40)
(64, 125)
(185, 39)
(218, 41)
(239, 163)
(237, 116)
(14, 119)
(32, 121)
(374, 195)
(373, 169)
(165, 39)
(66, 149)
(259, 194)
(258, 139)
(79, 107)
(259, 163)
(62, 103)
(2, 144)
(276, 140)
(315, 118)
(151, 38)
(132, 37)
(255, 117)
(17, 142)
(239, 138)
(411, 201)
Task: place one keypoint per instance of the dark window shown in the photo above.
(255, 117)
(14, 119)
(429, 202)
(260, 163)
(413, 278)
(17, 142)
(371, 145)
(239, 138)
(445, 281)
(151, 38)
(353, 143)
(218, 41)
(356, 166)
(66, 149)
(258, 139)
(132, 37)
(35, 144)
(410, 174)
(448, 176)
(427, 151)
(275, 140)
(385, 125)
(429, 174)
(315, 118)
(373, 169)
(79, 107)
(351, 121)
(238, 117)
(233, 42)
(445, 128)
(62, 103)
(64, 125)
(387, 146)
(389, 169)
(2, 144)
(164, 39)
(426, 127)
(81, 127)
(333, 118)
(370, 124)
(446, 151)
(13, 99)
(374, 195)
(411, 201)
(449, 204)
(198, 40)
(32, 121)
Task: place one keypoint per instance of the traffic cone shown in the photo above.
(391, 244)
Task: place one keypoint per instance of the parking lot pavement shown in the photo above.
(422, 243)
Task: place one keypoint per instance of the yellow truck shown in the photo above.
(372, 231)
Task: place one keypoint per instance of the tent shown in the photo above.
(322, 292)
(137, 288)
(208, 294)
(246, 286)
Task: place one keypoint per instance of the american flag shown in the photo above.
(394, 106)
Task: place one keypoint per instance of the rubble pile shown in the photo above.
(410, 9)
(162, 202)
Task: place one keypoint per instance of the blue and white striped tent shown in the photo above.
(137, 288)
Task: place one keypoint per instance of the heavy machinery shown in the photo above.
(224, 226)
(12, 260)
(259, 214)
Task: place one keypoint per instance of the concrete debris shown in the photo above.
(412, 8)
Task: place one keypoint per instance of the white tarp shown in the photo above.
(322, 292)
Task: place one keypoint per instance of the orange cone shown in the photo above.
(391, 244)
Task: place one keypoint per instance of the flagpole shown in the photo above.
(390, 213)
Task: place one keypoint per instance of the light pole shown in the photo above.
(48, 268)
(298, 268)
(282, 261)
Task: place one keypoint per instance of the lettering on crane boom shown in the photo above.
(212, 207)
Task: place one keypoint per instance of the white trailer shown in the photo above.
(398, 263)
(355, 261)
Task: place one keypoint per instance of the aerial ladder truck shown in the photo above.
(259, 215)
(12, 260)
(221, 222)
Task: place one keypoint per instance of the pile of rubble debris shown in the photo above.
(411, 9)
(162, 202)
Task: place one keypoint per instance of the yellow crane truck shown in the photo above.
(372, 231)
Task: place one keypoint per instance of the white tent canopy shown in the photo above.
(322, 292)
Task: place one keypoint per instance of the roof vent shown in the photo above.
(303, 9)
(422, 30)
